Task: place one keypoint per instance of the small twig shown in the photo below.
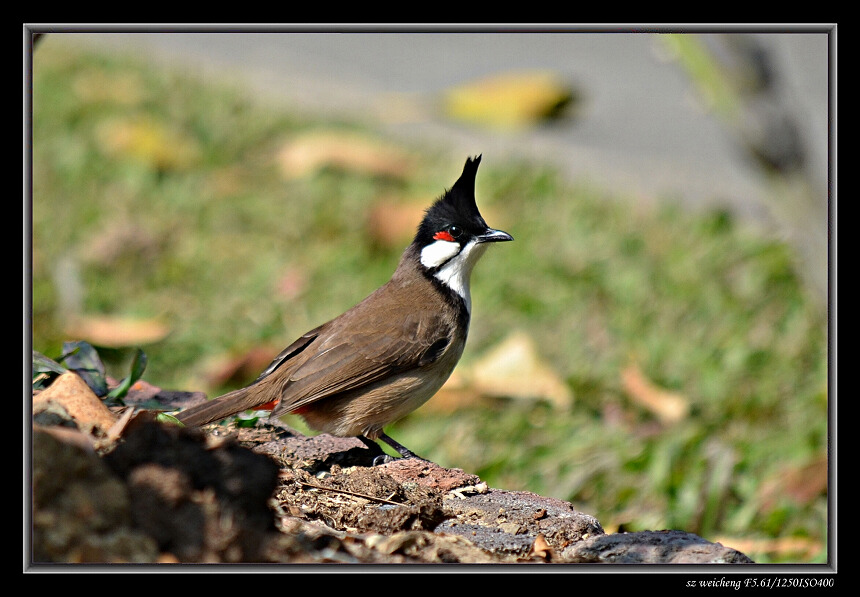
(352, 493)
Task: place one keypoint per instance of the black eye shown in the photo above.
(455, 231)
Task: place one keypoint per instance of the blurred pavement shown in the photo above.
(641, 129)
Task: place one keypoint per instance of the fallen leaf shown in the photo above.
(233, 369)
(115, 431)
(540, 549)
(347, 151)
(806, 483)
(116, 331)
(457, 393)
(799, 483)
(509, 100)
(77, 399)
(668, 407)
(392, 223)
(511, 369)
(514, 369)
(149, 141)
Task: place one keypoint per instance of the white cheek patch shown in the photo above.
(457, 272)
(435, 254)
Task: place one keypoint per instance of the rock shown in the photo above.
(510, 522)
(269, 494)
(652, 547)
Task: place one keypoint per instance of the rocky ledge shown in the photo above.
(153, 492)
(116, 486)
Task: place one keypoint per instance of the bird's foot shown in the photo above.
(379, 457)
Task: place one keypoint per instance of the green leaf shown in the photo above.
(45, 370)
(43, 364)
(166, 418)
(247, 419)
(138, 365)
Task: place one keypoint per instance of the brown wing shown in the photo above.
(377, 338)
(289, 352)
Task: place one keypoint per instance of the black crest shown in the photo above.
(456, 206)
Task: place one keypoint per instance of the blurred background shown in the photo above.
(653, 347)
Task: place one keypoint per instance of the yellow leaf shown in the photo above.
(509, 100)
(149, 141)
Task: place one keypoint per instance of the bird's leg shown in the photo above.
(383, 458)
(401, 449)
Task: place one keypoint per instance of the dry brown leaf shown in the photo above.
(801, 484)
(540, 549)
(508, 100)
(668, 407)
(116, 331)
(806, 483)
(116, 430)
(512, 369)
(391, 223)
(457, 393)
(74, 395)
(348, 151)
(233, 369)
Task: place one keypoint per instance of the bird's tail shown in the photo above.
(224, 406)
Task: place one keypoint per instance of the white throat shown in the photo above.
(455, 264)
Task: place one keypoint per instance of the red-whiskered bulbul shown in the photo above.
(390, 353)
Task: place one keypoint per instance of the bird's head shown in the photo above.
(453, 234)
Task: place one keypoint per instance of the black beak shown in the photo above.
(494, 236)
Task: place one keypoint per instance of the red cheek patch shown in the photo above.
(443, 235)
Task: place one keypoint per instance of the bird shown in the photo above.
(390, 353)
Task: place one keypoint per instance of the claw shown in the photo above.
(382, 459)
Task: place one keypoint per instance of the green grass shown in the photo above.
(196, 224)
